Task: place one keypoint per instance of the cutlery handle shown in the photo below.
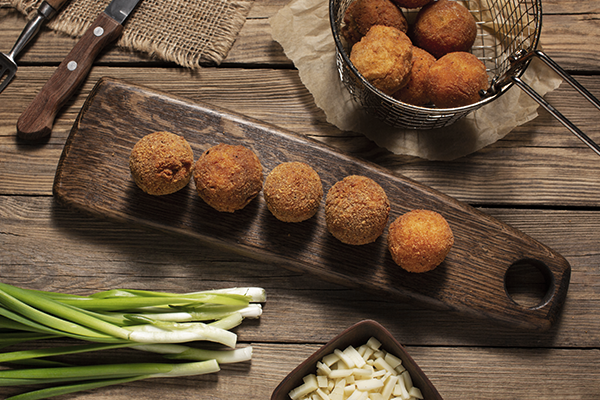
(56, 4)
(37, 120)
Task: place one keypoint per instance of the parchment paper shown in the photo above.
(302, 28)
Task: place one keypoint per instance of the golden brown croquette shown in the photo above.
(228, 177)
(415, 91)
(419, 240)
(362, 15)
(356, 210)
(384, 58)
(293, 191)
(456, 80)
(444, 27)
(161, 163)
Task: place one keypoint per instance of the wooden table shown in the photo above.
(539, 179)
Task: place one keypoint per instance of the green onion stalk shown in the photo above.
(156, 322)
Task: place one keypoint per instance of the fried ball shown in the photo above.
(384, 58)
(161, 163)
(443, 27)
(419, 240)
(293, 191)
(415, 91)
(228, 177)
(362, 15)
(356, 210)
(411, 3)
(456, 80)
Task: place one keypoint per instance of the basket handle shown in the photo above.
(524, 57)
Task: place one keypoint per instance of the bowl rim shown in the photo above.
(357, 335)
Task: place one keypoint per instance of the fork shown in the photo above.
(8, 66)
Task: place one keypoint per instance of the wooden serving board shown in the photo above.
(93, 176)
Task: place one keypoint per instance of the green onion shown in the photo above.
(143, 320)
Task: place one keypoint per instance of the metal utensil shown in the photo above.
(8, 66)
(508, 37)
(37, 119)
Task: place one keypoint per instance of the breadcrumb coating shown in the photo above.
(420, 240)
(384, 58)
(356, 210)
(415, 91)
(293, 191)
(362, 15)
(161, 163)
(444, 27)
(228, 177)
(456, 80)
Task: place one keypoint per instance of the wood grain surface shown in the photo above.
(93, 175)
(538, 179)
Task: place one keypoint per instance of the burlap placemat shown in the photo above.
(187, 32)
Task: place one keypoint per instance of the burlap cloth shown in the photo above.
(187, 32)
(302, 28)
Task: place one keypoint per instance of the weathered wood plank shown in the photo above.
(49, 247)
(458, 373)
(564, 24)
(565, 169)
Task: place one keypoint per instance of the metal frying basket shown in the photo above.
(508, 33)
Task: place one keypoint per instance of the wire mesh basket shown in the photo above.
(503, 28)
(508, 33)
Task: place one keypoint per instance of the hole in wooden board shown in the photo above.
(529, 283)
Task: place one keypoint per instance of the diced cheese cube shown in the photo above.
(381, 364)
(362, 373)
(347, 360)
(407, 380)
(367, 353)
(338, 391)
(349, 389)
(330, 359)
(351, 353)
(322, 395)
(415, 392)
(392, 360)
(378, 353)
(380, 374)
(374, 343)
(400, 390)
(388, 388)
(340, 373)
(361, 350)
(367, 385)
(309, 386)
(400, 369)
(358, 395)
(323, 368)
(322, 381)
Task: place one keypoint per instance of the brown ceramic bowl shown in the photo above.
(357, 335)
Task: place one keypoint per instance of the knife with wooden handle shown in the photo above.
(38, 118)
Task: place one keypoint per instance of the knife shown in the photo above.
(37, 119)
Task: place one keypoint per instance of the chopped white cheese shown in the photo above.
(392, 360)
(347, 360)
(367, 385)
(374, 343)
(415, 392)
(309, 386)
(367, 372)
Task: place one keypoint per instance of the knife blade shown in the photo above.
(38, 118)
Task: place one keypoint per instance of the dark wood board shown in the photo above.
(93, 176)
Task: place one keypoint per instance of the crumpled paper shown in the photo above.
(302, 29)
